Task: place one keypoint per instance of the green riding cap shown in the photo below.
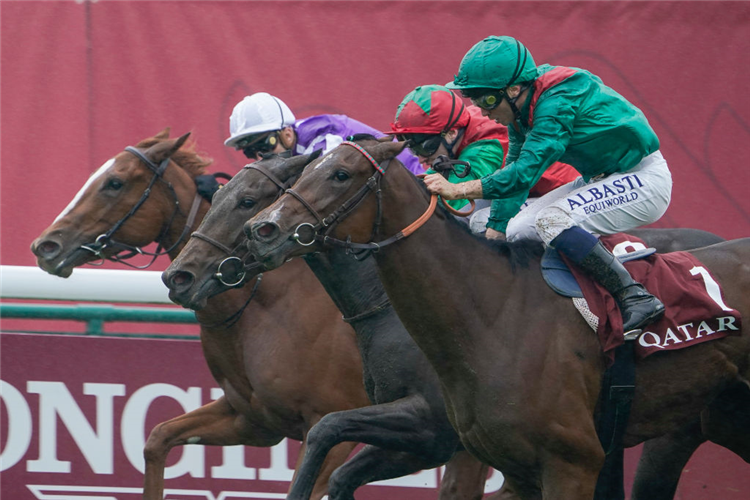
(496, 62)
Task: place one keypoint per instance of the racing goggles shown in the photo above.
(489, 101)
(424, 145)
(252, 145)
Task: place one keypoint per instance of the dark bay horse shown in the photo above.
(407, 429)
(283, 359)
(390, 357)
(520, 369)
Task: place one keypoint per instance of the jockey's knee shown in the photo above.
(550, 222)
(521, 229)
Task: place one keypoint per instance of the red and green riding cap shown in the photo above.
(429, 109)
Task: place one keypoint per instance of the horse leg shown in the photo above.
(464, 477)
(400, 425)
(335, 458)
(567, 479)
(662, 461)
(373, 464)
(727, 420)
(211, 424)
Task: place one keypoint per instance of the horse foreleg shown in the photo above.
(464, 478)
(212, 424)
(333, 460)
(402, 425)
(373, 464)
(662, 461)
(566, 480)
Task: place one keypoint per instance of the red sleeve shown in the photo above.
(555, 176)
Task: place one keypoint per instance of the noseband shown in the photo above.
(105, 240)
(325, 225)
(226, 272)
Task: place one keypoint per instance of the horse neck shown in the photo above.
(354, 286)
(440, 277)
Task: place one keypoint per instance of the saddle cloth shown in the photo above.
(695, 308)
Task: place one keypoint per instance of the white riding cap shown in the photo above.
(257, 113)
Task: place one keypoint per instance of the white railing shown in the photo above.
(84, 285)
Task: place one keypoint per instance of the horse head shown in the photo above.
(215, 259)
(338, 196)
(132, 200)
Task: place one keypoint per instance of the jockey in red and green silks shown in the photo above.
(435, 122)
(556, 113)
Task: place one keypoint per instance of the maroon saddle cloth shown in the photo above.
(695, 307)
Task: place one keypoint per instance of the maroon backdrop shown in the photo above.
(82, 80)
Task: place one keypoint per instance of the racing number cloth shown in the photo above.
(695, 307)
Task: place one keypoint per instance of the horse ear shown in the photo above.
(180, 141)
(294, 165)
(385, 150)
(167, 148)
(164, 134)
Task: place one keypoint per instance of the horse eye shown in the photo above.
(341, 176)
(113, 184)
(247, 203)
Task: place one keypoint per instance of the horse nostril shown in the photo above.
(181, 279)
(47, 249)
(266, 230)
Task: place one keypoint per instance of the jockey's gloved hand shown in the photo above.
(207, 185)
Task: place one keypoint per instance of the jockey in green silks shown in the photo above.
(556, 113)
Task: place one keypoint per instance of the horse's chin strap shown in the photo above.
(372, 185)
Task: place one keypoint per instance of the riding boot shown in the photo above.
(637, 306)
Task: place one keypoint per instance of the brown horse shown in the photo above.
(284, 359)
(408, 428)
(520, 369)
(192, 277)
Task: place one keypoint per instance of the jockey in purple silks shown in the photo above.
(262, 123)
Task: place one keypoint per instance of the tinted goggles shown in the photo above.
(424, 145)
(488, 101)
(253, 145)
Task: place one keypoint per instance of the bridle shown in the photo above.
(326, 224)
(105, 240)
(227, 268)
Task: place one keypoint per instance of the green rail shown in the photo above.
(96, 315)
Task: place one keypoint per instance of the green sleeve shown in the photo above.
(544, 144)
(515, 143)
(484, 156)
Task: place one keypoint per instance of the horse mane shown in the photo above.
(186, 157)
(520, 253)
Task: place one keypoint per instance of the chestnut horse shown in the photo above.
(520, 369)
(283, 359)
(408, 423)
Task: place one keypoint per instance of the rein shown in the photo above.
(105, 240)
(372, 185)
(234, 318)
